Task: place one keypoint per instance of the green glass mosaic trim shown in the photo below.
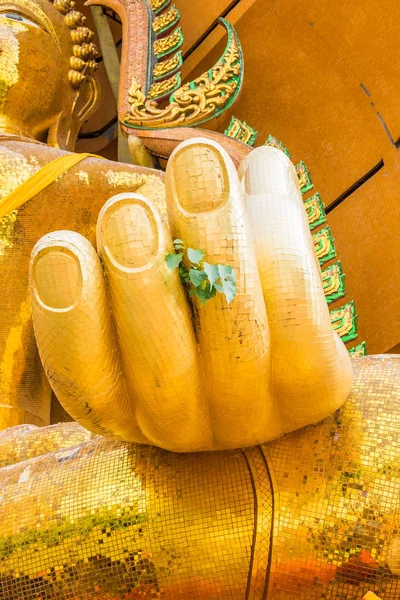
(275, 143)
(315, 210)
(174, 63)
(178, 41)
(241, 131)
(236, 80)
(360, 350)
(158, 90)
(159, 5)
(218, 88)
(333, 282)
(304, 177)
(173, 15)
(324, 245)
(344, 321)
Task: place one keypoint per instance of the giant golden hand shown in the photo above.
(124, 355)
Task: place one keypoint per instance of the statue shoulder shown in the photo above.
(19, 161)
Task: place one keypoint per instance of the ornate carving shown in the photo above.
(344, 321)
(159, 5)
(83, 52)
(333, 282)
(166, 20)
(360, 350)
(242, 131)
(74, 19)
(168, 66)
(275, 143)
(64, 6)
(163, 88)
(315, 210)
(168, 44)
(82, 34)
(75, 78)
(324, 245)
(304, 177)
(196, 102)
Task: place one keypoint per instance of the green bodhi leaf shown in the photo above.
(204, 293)
(197, 277)
(226, 272)
(195, 256)
(202, 280)
(212, 272)
(229, 289)
(184, 273)
(173, 260)
(178, 244)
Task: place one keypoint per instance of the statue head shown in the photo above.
(47, 83)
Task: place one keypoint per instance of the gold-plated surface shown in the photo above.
(166, 370)
(69, 202)
(38, 104)
(311, 516)
(163, 88)
(167, 66)
(165, 20)
(192, 103)
(41, 49)
(24, 442)
(167, 44)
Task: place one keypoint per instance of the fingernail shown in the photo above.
(57, 277)
(130, 233)
(201, 178)
(269, 170)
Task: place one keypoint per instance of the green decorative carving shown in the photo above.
(304, 177)
(315, 210)
(333, 282)
(194, 103)
(167, 45)
(275, 143)
(168, 67)
(344, 321)
(360, 350)
(161, 89)
(158, 6)
(242, 131)
(166, 21)
(324, 245)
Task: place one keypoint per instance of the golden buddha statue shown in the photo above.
(183, 401)
(132, 356)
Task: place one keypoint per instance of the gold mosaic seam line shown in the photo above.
(259, 565)
(254, 540)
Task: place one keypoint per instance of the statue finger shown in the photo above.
(75, 335)
(311, 366)
(154, 328)
(206, 212)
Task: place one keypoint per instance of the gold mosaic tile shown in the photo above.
(313, 515)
